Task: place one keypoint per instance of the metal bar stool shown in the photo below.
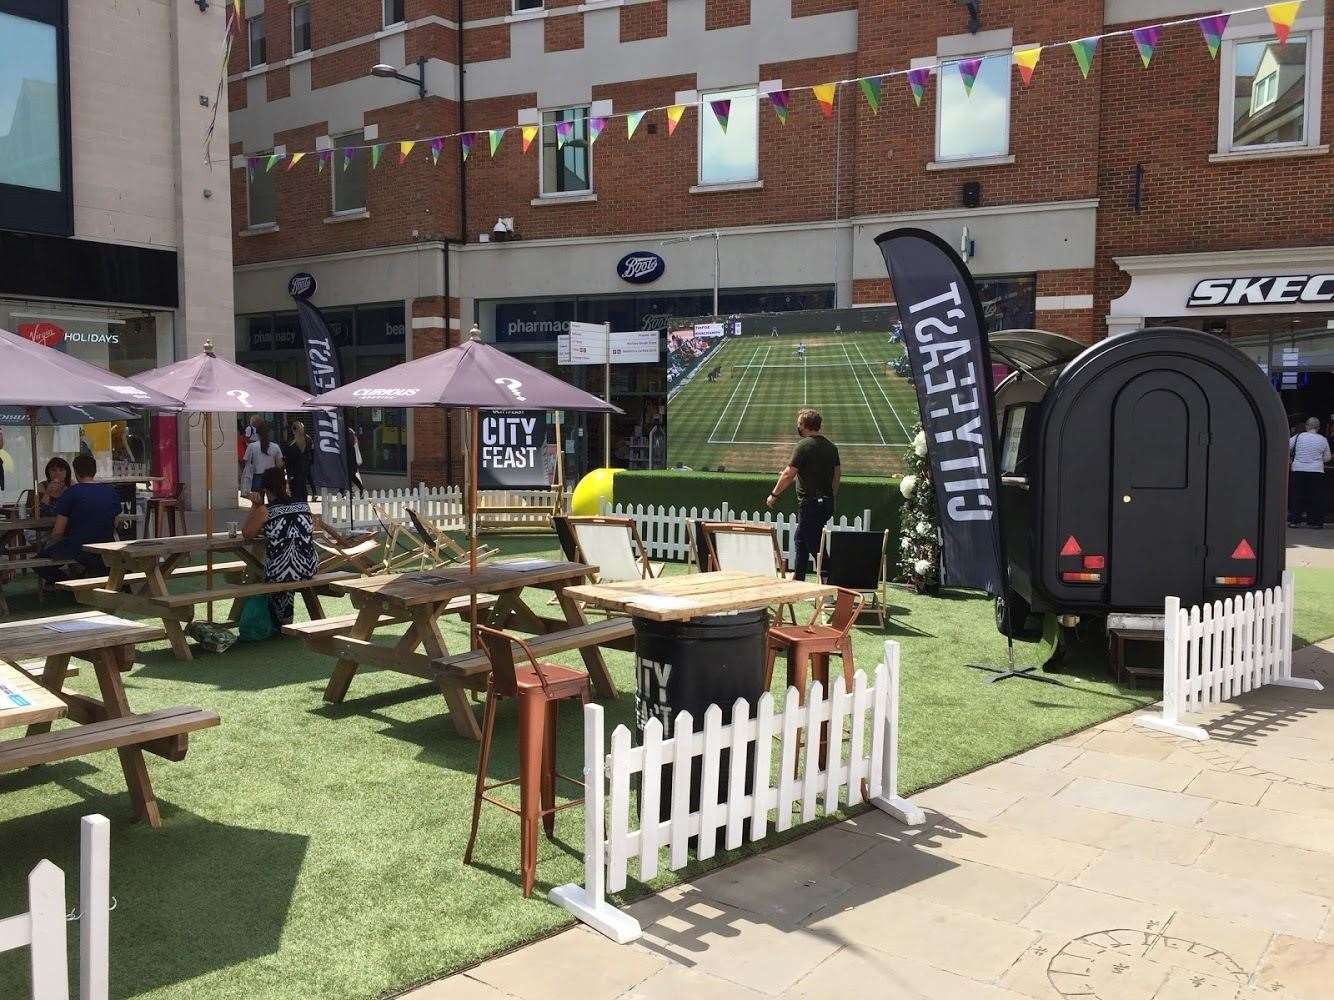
(539, 689)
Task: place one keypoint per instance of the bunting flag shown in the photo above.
(465, 144)
(632, 121)
(494, 136)
(348, 153)
(1146, 39)
(404, 148)
(781, 101)
(968, 70)
(722, 110)
(326, 157)
(437, 144)
(824, 96)
(563, 132)
(1027, 61)
(236, 6)
(595, 127)
(1084, 50)
(1282, 16)
(1212, 28)
(250, 163)
(674, 114)
(529, 133)
(294, 160)
(871, 90)
(376, 150)
(273, 160)
(917, 79)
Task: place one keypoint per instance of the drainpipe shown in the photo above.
(463, 220)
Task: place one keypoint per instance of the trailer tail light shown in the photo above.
(1070, 577)
(1071, 547)
(1095, 562)
(1234, 581)
(1243, 550)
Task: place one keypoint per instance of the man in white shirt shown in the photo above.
(1306, 497)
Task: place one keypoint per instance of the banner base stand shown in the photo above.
(1002, 674)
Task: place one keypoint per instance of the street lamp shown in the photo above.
(387, 72)
(717, 237)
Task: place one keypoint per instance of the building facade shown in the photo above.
(115, 232)
(1075, 198)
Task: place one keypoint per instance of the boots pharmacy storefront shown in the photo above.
(1277, 306)
(121, 340)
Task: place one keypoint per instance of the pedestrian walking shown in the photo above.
(816, 468)
(1309, 451)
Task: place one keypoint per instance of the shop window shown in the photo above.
(1268, 99)
(255, 38)
(1008, 303)
(349, 175)
(393, 12)
(261, 199)
(731, 156)
(34, 118)
(300, 27)
(566, 167)
(975, 125)
(380, 325)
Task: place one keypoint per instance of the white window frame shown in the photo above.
(384, 13)
(310, 46)
(542, 192)
(705, 96)
(260, 164)
(250, 42)
(336, 163)
(1312, 30)
(1007, 55)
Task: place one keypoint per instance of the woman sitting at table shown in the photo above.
(59, 478)
(287, 529)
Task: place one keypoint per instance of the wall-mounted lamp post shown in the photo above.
(387, 72)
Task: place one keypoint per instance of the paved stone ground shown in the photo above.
(1115, 864)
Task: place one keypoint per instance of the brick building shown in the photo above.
(1087, 205)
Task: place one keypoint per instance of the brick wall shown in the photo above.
(725, 13)
(645, 20)
(563, 33)
(436, 452)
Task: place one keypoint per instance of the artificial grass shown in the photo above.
(316, 851)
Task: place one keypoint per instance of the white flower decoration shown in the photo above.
(919, 444)
(922, 567)
(906, 485)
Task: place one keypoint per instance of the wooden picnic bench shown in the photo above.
(612, 633)
(10, 568)
(108, 643)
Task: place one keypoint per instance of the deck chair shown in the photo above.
(565, 536)
(340, 551)
(613, 545)
(443, 549)
(855, 560)
(697, 554)
(745, 547)
(402, 547)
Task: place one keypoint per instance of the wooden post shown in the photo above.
(94, 907)
(1285, 678)
(32, 440)
(208, 503)
(887, 799)
(49, 963)
(1174, 671)
(474, 423)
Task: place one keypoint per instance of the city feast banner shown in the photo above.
(512, 449)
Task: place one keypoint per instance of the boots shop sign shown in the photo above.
(642, 267)
(1284, 290)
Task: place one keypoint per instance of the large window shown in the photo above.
(255, 39)
(34, 118)
(731, 156)
(566, 166)
(1266, 93)
(393, 12)
(349, 174)
(300, 27)
(261, 200)
(974, 125)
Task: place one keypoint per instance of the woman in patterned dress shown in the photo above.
(287, 527)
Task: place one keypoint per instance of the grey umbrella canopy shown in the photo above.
(47, 416)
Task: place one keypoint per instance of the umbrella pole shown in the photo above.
(32, 439)
(473, 422)
(208, 504)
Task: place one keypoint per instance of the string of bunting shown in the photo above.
(1281, 16)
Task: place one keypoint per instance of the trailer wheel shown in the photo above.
(1012, 615)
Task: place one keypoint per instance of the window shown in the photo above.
(731, 157)
(1266, 94)
(527, 5)
(300, 27)
(349, 176)
(261, 199)
(977, 125)
(34, 118)
(1014, 460)
(567, 169)
(255, 34)
(393, 12)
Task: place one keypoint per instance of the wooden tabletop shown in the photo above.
(172, 545)
(128, 480)
(449, 582)
(72, 633)
(23, 701)
(692, 595)
(27, 524)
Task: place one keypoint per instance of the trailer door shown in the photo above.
(1160, 462)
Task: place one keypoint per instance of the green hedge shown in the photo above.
(747, 492)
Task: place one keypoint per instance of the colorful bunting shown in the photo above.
(917, 79)
(465, 144)
(348, 153)
(1084, 50)
(494, 136)
(1282, 16)
(376, 150)
(404, 148)
(1212, 28)
(871, 90)
(824, 96)
(722, 110)
(674, 114)
(1146, 39)
(1027, 61)
(781, 101)
(326, 157)
(273, 160)
(563, 132)
(529, 133)
(968, 70)
(294, 160)
(251, 162)
(632, 121)
(437, 144)
(595, 127)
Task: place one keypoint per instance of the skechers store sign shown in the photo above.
(1293, 289)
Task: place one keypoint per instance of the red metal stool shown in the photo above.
(539, 689)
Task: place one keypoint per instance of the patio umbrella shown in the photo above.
(35, 375)
(473, 376)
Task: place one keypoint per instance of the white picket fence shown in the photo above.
(665, 531)
(1214, 652)
(433, 503)
(42, 929)
(610, 841)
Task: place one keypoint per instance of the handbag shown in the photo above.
(255, 622)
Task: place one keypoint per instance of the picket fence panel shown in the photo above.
(1214, 652)
(665, 531)
(42, 928)
(612, 843)
(434, 503)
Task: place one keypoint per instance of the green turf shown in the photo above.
(311, 851)
(745, 419)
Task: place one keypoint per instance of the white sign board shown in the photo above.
(708, 330)
(588, 344)
(635, 348)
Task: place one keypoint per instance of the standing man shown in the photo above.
(816, 468)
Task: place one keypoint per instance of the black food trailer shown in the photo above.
(1149, 464)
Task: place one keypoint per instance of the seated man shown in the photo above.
(85, 513)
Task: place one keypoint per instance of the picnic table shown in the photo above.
(422, 598)
(108, 643)
(693, 595)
